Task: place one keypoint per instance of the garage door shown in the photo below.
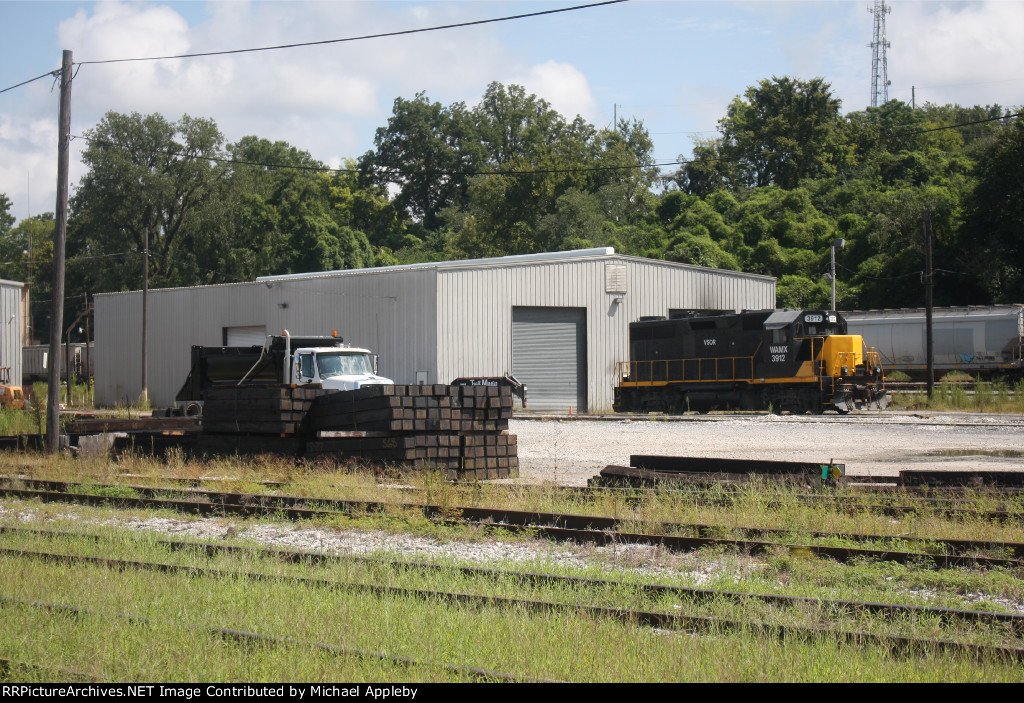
(245, 336)
(549, 355)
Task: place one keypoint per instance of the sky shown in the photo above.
(673, 64)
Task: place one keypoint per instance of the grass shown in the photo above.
(18, 422)
(756, 504)
(509, 638)
(951, 394)
(560, 645)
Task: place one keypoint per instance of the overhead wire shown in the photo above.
(31, 80)
(295, 45)
(380, 35)
(328, 169)
(517, 172)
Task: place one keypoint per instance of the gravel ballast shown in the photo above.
(570, 451)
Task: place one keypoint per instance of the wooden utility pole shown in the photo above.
(144, 397)
(926, 226)
(59, 234)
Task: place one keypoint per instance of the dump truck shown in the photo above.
(283, 359)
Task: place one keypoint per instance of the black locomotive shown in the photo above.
(780, 360)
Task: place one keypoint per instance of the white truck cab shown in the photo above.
(338, 367)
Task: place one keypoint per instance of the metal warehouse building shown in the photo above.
(558, 322)
(13, 314)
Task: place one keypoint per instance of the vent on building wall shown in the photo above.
(615, 278)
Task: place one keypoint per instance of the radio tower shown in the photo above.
(879, 68)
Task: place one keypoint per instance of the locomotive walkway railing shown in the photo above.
(728, 368)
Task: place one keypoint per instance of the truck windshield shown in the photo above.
(344, 364)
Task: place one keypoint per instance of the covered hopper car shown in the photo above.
(783, 360)
(981, 340)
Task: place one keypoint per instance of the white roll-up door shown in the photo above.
(245, 336)
(549, 355)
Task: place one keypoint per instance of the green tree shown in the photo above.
(6, 218)
(147, 176)
(428, 151)
(993, 236)
(786, 130)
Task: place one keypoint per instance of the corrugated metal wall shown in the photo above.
(10, 319)
(390, 314)
(474, 316)
(437, 323)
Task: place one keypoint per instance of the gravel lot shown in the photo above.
(570, 451)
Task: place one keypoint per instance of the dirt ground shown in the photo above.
(570, 451)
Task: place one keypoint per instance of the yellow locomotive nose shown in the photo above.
(842, 350)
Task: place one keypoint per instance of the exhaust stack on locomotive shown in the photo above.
(795, 360)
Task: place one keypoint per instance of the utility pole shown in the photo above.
(88, 359)
(926, 226)
(839, 243)
(59, 234)
(144, 397)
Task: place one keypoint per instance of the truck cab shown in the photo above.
(282, 359)
(340, 368)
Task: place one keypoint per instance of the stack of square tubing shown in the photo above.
(256, 419)
(462, 429)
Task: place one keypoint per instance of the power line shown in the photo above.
(528, 172)
(361, 171)
(30, 80)
(359, 38)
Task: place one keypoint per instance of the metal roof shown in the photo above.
(492, 261)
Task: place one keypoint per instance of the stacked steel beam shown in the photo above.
(258, 409)
(461, 429)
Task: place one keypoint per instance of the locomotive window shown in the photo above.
(779, 337)
(820, 330)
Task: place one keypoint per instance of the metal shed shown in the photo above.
(13, 304)
(558, 321)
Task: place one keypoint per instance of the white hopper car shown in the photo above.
(983, 340)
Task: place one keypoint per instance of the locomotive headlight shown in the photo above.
(844, 371)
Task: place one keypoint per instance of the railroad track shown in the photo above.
(1011, 620)
(556, 526)
(882, 502)
(245, 636)
(896, 644)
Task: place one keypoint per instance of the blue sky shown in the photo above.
(674, 64)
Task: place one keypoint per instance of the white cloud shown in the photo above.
(308, 96)
(564, 86)
(963, 53)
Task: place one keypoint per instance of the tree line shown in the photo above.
(786, 175)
